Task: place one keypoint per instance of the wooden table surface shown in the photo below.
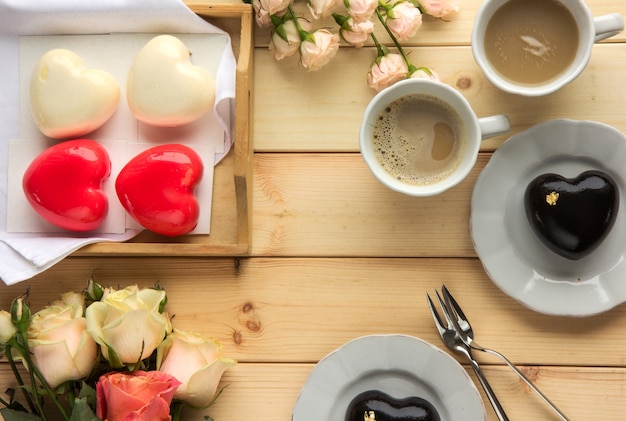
(335, 255)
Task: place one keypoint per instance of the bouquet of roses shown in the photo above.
(293, 34)
(106, 354)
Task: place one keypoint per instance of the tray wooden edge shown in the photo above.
(242, 149)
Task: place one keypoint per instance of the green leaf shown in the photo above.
(114, 360)
(163, 302)
(88, 393)
(82, 411)
(12, 415)
(16, 406)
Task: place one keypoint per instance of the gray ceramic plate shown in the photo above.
(513, 256)
(398, 365)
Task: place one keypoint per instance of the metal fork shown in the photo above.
(454, 342)
(466, 333)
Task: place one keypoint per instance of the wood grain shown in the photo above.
(268, 392)
(331, 205)
(334, 255)
(329, 116)
(298, 309)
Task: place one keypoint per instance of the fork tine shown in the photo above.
(436, 317)
(459, 322)
(453, 303)
(446, 313)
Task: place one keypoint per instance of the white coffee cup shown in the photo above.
(474, 129)
(590, 30)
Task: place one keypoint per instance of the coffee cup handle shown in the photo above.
(607, 26)
(493, 125)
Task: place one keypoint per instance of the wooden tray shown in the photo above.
(232, 190)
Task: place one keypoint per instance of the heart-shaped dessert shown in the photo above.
(157, 188)
(377, 405)
(572, 216)
(67, 99)
(164, 88)
(63, 184)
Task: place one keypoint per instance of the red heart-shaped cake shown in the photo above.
(64, 184)
(572, 216)
(157, 188)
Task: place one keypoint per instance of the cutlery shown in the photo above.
(453, 341)
(466, 333)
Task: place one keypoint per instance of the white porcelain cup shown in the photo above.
(590, 30)
(473, 130)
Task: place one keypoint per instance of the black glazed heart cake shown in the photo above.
(572, 216)
(374, 405)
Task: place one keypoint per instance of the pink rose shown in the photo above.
(356, 33)
(386, 71)
(262, 18)
(281, 47)
(318, 49)
(264, 9)
(322, 8)
(424, 73)
(439, 8)
(274, 7)
(404, 19)
(361, 10)
(135, 396)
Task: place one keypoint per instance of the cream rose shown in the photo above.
(7, 330)
(197, 362)
(61, 348)
(128, 322)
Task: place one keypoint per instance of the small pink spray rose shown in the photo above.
(404, 19)
(439, 8)
(387, 70)
(318, 49)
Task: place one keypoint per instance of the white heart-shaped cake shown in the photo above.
(164, 88)
(69, 100)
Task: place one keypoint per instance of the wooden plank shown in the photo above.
(268, 392)
(331, 205)
(299, 309)
(326, 117)
(453, 30)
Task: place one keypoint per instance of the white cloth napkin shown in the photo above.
(23, 256)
